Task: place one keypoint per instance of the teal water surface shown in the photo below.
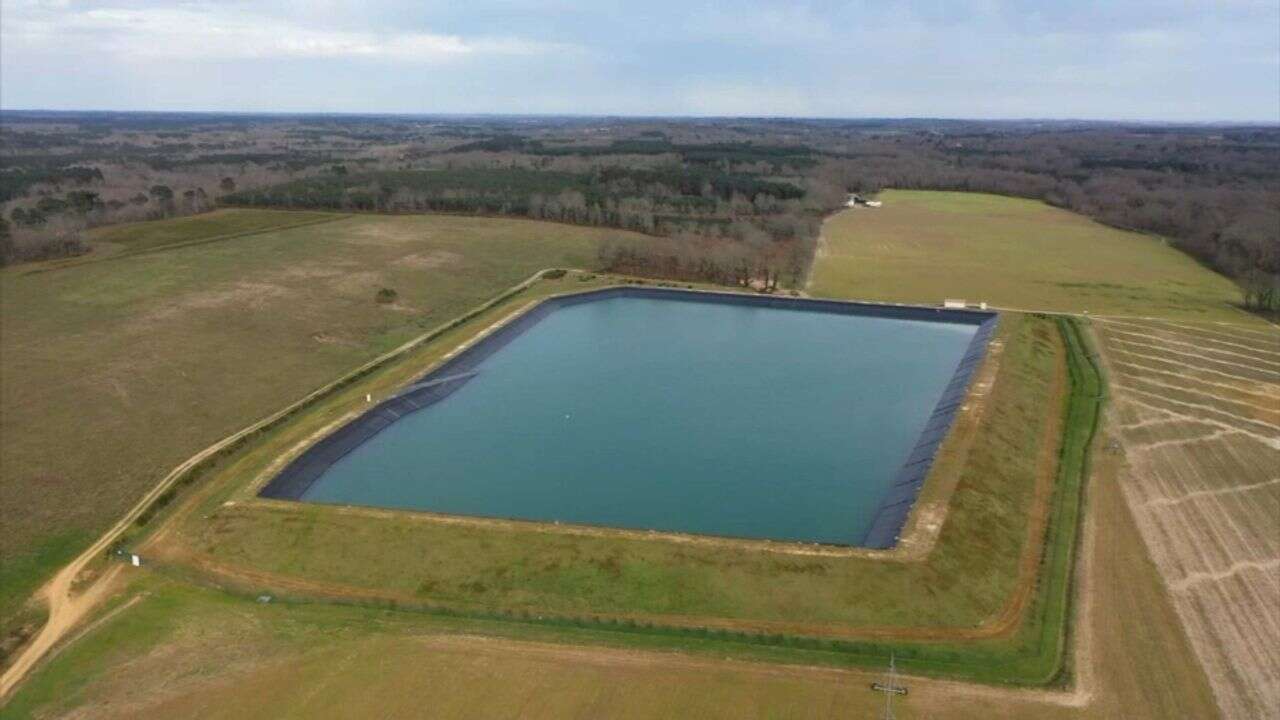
(672, 415)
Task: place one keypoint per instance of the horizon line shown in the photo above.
(667, 117)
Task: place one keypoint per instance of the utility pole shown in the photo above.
(889, 687)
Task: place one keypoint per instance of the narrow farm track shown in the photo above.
(1260, 391)
(1206, 493)
(1212, 337)
(1199, 348)
(1229, 367)
(68, 605)
(1196, 408)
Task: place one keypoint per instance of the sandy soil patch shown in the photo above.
(389, 232)
(316, 271)
(328, 338)
(358, 284)
(244, 294)
(429, 260)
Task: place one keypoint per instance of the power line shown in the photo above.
(889, 687)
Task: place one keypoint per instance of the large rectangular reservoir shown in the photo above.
(673, 411)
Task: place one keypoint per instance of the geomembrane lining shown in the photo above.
(293, 482)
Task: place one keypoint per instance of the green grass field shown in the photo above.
(182, 651)
(1009, 252)
(114, 372)
(193, 651)
(522, 571)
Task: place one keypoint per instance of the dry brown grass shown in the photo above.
(1141, 660)
(1198, 410)
(181, 652)
(113, 372)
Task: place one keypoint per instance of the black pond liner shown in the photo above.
(293, 482)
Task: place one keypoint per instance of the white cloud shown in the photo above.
(225, 33)
(1025, 58)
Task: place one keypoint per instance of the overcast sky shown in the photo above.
(1118, 59)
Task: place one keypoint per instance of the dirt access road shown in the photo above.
(67, 607)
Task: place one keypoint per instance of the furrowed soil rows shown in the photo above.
(1197, 409)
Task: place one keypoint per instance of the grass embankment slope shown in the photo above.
(189, 646)
(187, 652)
(198, 653)
(925, 246)
(973, 609)
(114, 372)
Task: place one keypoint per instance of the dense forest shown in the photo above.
(728, 200)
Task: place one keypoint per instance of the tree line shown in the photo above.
(1214, 192)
